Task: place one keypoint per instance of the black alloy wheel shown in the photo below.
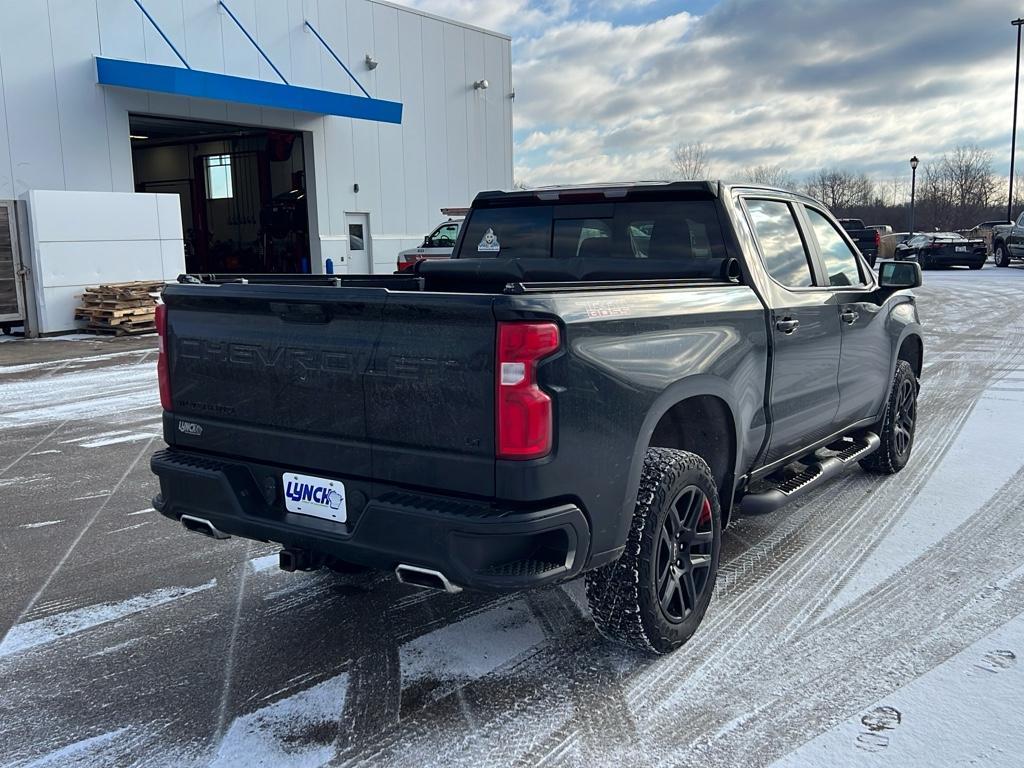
(683, 564)
(656, 594)
(905, 416)
(897, 427)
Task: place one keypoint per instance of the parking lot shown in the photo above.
(851, 628)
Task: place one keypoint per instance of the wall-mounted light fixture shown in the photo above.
(481, 85)
(371, 63)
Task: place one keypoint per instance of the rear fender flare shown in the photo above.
(692, 386)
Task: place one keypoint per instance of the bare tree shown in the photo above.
(960, 189)
(971, 182)
(840, 189)
(691, 161)
(770, 176)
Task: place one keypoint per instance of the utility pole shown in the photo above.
(1013, 139)
(913, 189)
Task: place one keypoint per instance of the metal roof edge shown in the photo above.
(444, 19)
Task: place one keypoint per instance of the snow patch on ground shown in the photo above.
(264, 563)
(85, 753)
(101, 393)
(42, 631)
(10, 370)
(967, 711)
(42, 524)
(130, 438)
(473, 647)
(968, 476)
(296, 732)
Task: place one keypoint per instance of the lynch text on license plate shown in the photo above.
(315, 496)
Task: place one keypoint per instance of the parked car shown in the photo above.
(438, 244)
(594, 391)
(943, 249)
(865, 238)
(1008, 242)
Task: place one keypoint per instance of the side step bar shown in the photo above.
(820, 472)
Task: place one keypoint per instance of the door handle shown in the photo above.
(849, 317)
(787, 325)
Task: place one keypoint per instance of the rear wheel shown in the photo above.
(898, 425)
(1001, 256)
(655, 595)
(977, 265)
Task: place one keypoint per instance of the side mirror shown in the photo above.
(899, 274)
(426, 243)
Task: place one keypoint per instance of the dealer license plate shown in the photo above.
(961, 249)
(315, 496)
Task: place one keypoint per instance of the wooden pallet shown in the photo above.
(120, 308)
(121, 330)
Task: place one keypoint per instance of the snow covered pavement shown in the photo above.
(879, 622)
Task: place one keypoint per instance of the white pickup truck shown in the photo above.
(438, 244)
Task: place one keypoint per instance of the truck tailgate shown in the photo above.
(310, 373)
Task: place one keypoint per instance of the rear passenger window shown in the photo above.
(840, 261)
(785, 256)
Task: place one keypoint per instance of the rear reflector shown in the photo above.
(523, 410)
(163, 373)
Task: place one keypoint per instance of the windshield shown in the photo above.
(656, 229)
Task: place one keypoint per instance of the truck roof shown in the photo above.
(709, 188)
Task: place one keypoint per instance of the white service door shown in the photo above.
(360, 259)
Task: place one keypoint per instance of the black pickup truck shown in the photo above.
(867, 239)
(591, 385)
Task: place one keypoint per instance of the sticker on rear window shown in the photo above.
(489, 243)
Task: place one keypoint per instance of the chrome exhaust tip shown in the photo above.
(203, 526)
(425, 578)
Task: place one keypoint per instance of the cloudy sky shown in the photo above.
(604, 90)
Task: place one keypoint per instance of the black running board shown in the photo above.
(820, 472)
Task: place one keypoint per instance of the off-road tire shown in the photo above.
(889, 459)
(623, 596)
(1001, 256)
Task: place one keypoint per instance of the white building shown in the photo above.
(141, 138)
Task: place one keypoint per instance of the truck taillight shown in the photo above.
(523, 410)
(878, 238)
(163, 373)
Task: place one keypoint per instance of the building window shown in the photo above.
(355, 238)
(218, 177)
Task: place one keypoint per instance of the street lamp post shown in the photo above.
(1013, 139)
(913, 186)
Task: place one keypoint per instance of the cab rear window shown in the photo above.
(661, 229)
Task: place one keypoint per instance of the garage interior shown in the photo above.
(242, 190)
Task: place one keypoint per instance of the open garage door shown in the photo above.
(242, 190)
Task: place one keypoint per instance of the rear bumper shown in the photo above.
(954, 259)
(474, 544)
